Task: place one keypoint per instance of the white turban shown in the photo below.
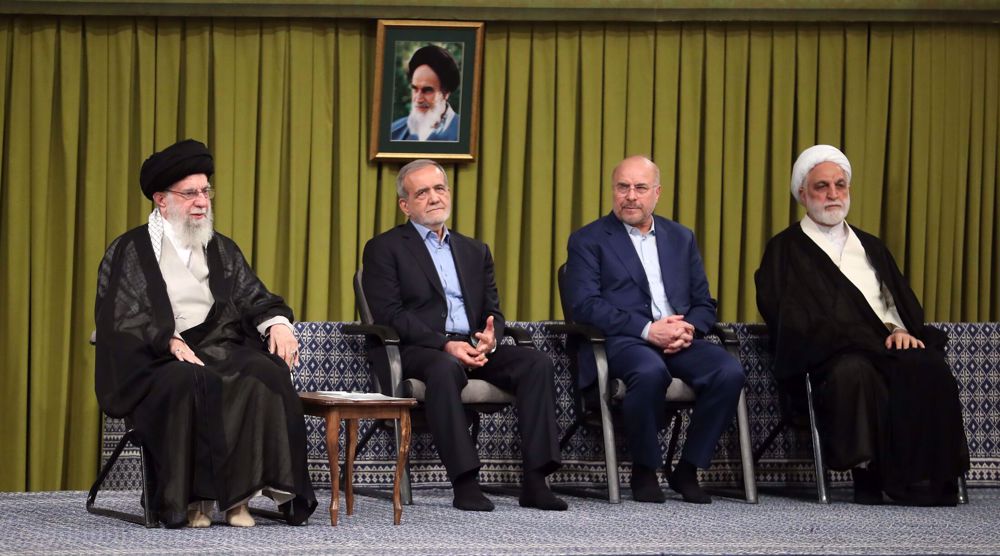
(817, 154)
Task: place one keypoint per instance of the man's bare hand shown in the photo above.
(901, 339)
(183, 352)
(486, 340)
(671, 334)
(466, 354)
(677, 345)
(282, 343)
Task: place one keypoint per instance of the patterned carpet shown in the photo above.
(56, 523)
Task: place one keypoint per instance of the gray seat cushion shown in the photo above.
(678, 391)
(476, 391)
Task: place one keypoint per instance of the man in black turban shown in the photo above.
(169, 166)
(196, 351)
(433, 75)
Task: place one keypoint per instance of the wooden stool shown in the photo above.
(351, 406)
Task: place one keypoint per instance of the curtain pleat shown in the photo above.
(285, 106)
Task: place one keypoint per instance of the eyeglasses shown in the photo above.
(640, 188)
(191, 194)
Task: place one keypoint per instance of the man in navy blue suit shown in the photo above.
(639, 278)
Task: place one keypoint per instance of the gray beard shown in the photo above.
(828, 218)
(190, 233)
(422, 125)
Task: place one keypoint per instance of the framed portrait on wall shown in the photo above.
(426, 101)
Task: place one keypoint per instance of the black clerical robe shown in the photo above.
(218, 432)
(909, 423)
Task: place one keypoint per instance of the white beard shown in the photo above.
(191, 233)
(830, 217)
(422, 125)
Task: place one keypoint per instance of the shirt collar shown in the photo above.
(633, 231)
(424, 230)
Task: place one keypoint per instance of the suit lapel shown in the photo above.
(668, 273)
(623, 248)
(414, 245)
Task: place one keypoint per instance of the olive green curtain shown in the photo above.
(285, 107)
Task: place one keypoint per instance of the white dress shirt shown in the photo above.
(649, 256)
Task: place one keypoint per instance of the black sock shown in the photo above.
(468, 496)
(867, 486)
(684, 481)
(646, 485)
(536, 494)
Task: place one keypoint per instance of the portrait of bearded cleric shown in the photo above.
(426, 92)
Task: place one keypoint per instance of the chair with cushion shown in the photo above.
(798, 415)
(148, 517)
(598, 407)
(794, 415)
(386, 370)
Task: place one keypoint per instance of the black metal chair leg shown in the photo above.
(963, 493)
(92, 496)
(148, 519)
(569, 434)
(475, 429)
(149, 514)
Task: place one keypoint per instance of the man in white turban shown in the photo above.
(838, 307)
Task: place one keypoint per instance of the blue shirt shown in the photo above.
(444, 262)
(645, 247)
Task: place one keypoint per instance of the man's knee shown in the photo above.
(648, 377)
(176, 378)
(852, 372)
(445, 372)
(731, 375)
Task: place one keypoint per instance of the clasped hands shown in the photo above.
(671, 334)
(474, 356)
(281, 342)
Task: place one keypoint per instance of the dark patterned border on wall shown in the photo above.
(332, 360)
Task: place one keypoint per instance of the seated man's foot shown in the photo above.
(867, 486)
(240, 516)
(684, 481)
(197, 519)
(536, 494)
(646, 486)
(468, 496)
(927, 493)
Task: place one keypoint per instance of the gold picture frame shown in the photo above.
(426, 98)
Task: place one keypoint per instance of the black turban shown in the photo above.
(441, 62)
(174, 163)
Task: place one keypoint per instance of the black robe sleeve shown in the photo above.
(134, 325)
(135, 320)
(813, 312)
